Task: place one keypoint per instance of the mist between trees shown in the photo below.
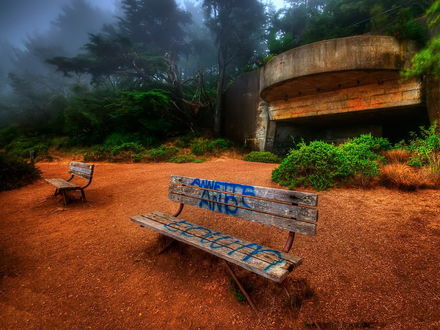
(158, 69)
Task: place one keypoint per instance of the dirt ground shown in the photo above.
(374, 263)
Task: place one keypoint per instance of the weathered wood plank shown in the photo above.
(82, 165)
(62, 184)
(267, 219)
(202, 232)
(281, 195)
(81, 169)
(233, 201)
(249, 256)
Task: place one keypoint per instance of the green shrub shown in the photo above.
(202, 146)
(59, 142)
(163, 153)
(220, 144)
(133, 147)
(7, 135)
(186, 158)
(426, 148)
(116, 139)
(316, 164)
(320, 165)
(184, 141)
(23, 147)
(138, 157)
(97, 153)
(374, 144)
(262, 157)
(16, 172)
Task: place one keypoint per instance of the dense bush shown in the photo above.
(321, 165)
(97, 153)
(373, 143)
(22, 147)
(202, 146)
(133, 147)
(16, 172)
(93, 118)
(262, 157)
(426, 148)
(185, 158)
(163, 153)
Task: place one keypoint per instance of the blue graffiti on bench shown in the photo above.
(227, 241)
(212, 199)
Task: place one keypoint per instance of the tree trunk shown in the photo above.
(219, 100)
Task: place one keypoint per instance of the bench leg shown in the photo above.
(56, 192)
(166, 246)
(63, 192)
(83, 195)
(242, 289)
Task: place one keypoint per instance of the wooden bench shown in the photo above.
(76, 169)
(285, 209)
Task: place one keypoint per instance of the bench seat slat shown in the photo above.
(268, 219)
(281, 195)
(62, 184)
(264, 261)
(82, 165)
(257, 205)
(85, 171)
(268, 257)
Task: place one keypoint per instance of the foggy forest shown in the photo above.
(164, 164)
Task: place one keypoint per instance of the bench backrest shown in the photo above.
(285, 209)
(81, 169)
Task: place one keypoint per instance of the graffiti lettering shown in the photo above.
(189, 230)
(211, 199)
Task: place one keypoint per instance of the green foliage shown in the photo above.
(16, 172)
(321, 165)
(202, 146)
(262, 157)
(119, 117)
(310, 21)
(373, 143)
(163, 153)
(185, 158)
(8, 134)
(97, 153)
(406, 28)
(426, 148)
(278, 45)
(59, 142)
(23, 147)
(184, 141)
(132, 147)
(425, 62)
(433, 14)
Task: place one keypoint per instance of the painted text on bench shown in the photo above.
(211, 199)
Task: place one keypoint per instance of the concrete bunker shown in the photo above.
(330, 90)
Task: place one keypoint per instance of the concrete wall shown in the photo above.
(388, 94)
(331, 90)
(359, 54)
(241, 102)
(433, 99)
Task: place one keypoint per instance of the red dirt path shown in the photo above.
(375, 260)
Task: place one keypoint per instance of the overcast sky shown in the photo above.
(22, 18)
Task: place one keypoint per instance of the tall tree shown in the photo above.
(155, 24)
(238, 29)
